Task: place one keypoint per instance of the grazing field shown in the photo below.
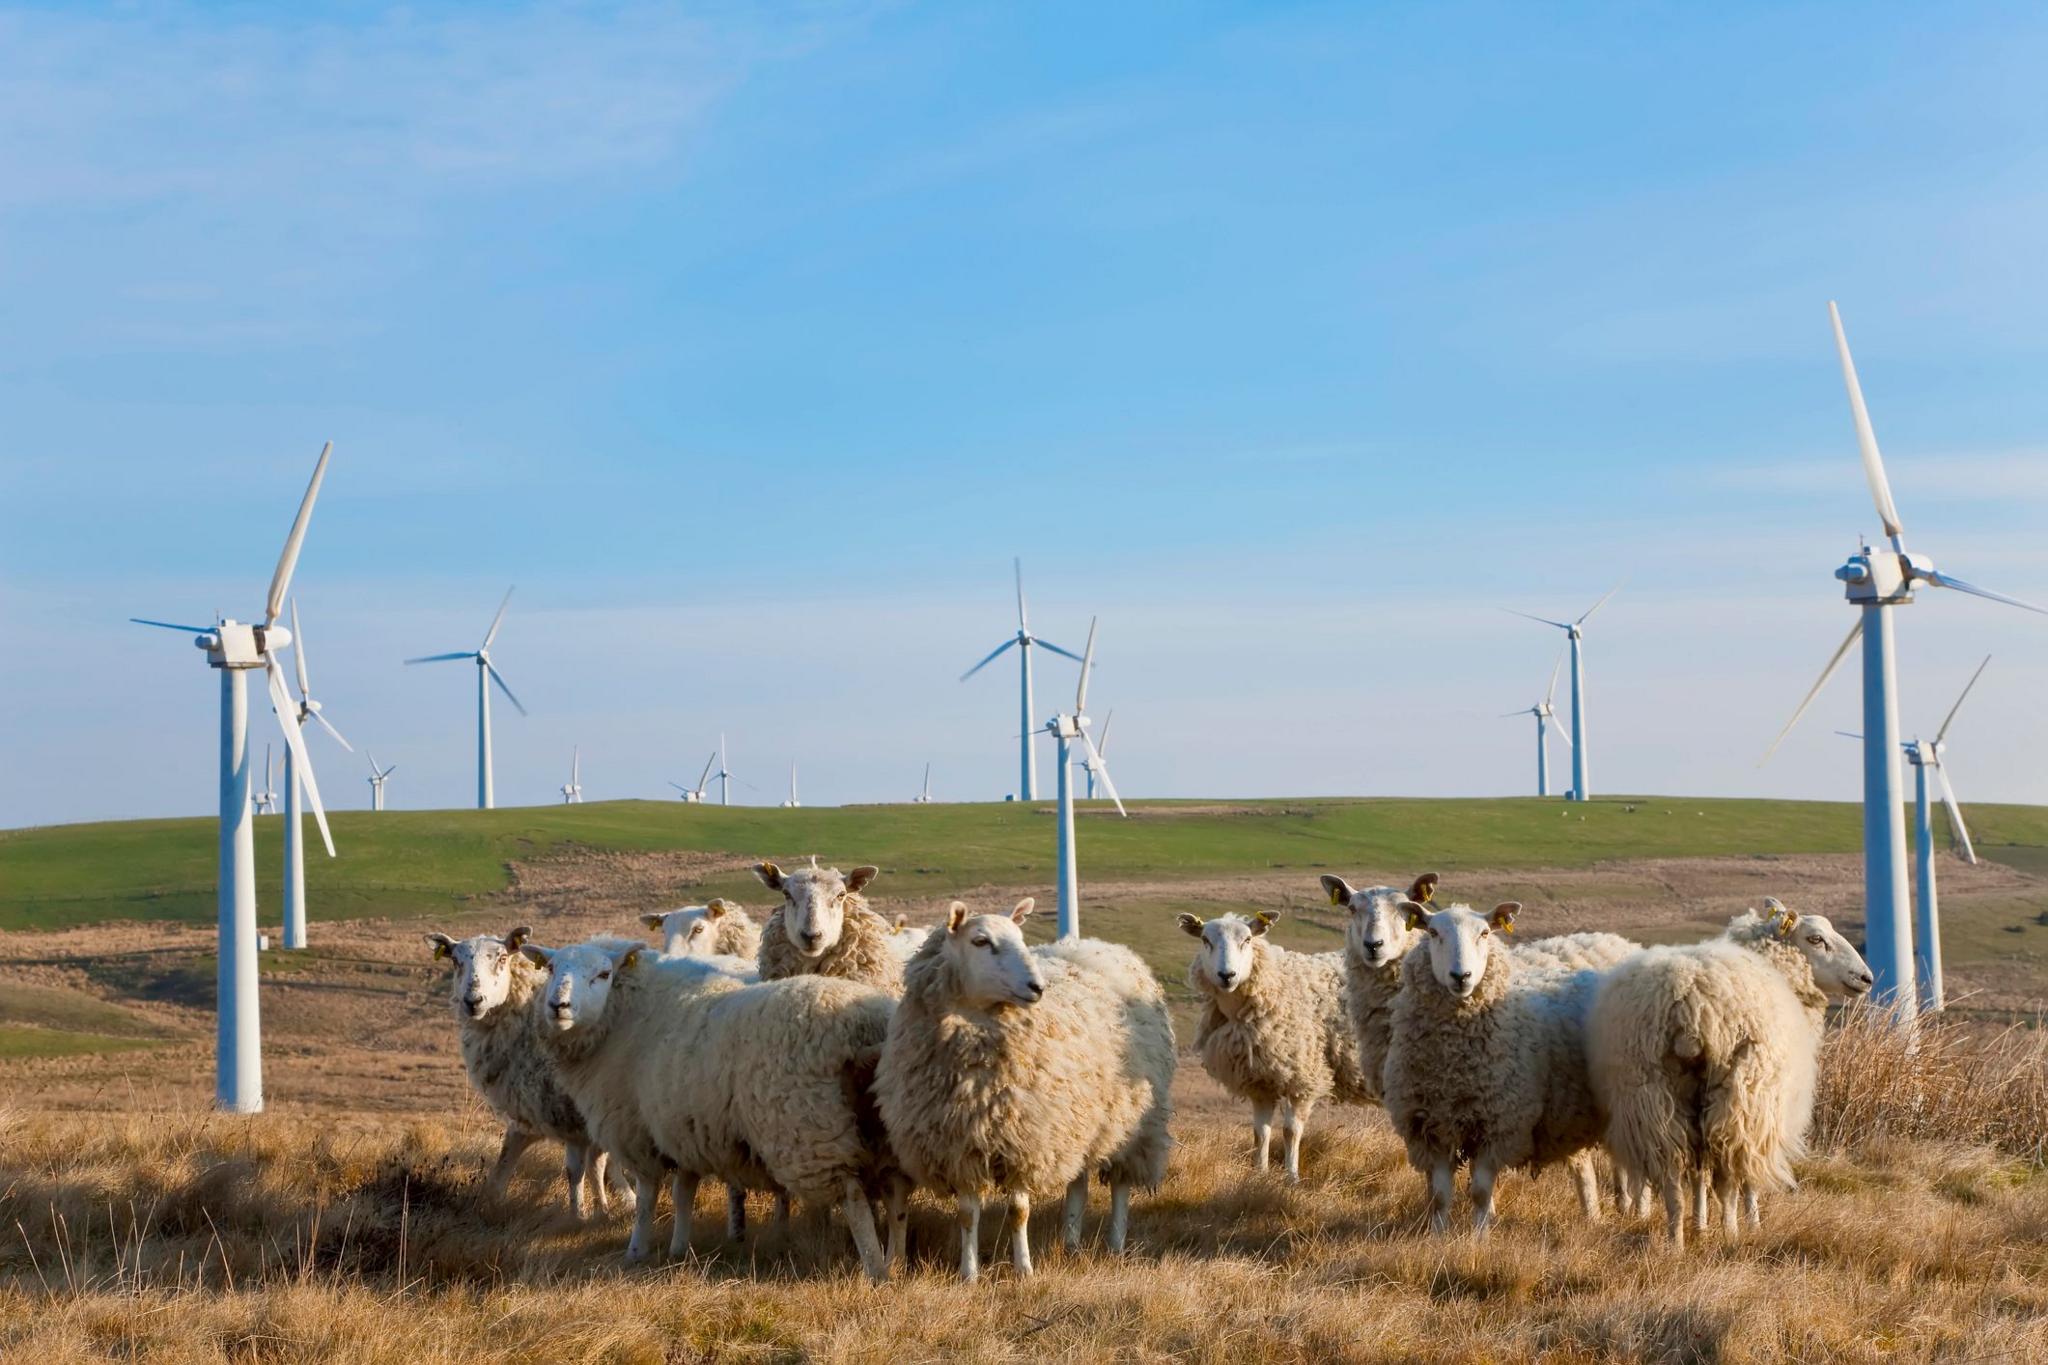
(350, 1221)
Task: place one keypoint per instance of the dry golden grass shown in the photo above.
(1920, 1233)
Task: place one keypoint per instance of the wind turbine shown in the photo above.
(1546, 716)
(695, 795)
(572, 790)
(1024, 641)
(792, 803)
(1926, 756)
(294, 841)
(1575, 634)
(724, 774)
(1092, 766)
(924, 798)
(377, 780)
(1876, 581)
(266, 800)
(1065, 729)
(235, 648)
(486, 674)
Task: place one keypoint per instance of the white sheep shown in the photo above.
(1706, 1057)
(1018, 1071)
(490, 991)
(763, 1085)
(824, 928)
(1488, 1061)
(1274, 1028)
(720, 928)
(905, 938)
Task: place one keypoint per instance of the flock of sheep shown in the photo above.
(830, 1055)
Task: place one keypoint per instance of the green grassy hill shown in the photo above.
(411, 862)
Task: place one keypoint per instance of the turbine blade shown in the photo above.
(1550, 692)
(328, 726)
(705, 776)
(1957, 830)
(1866, 439)
(1102, 745)
(496, 621)
(1814, 691)
(499, 679)
(1087, 667)
(991, 658)
(1561, 625)
(169, 625)
(390, 770)
(1942, 733)
(373, 759)
(281, 701)
(1023, 623)
(1102, 771)
(281, 580)
(441, 658)
(1942, 580)
(1065, 653)
(1601, 603)
(299, 652)
(1849, 734)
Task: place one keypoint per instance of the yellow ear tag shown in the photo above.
(1335, 897)
(1508, 928)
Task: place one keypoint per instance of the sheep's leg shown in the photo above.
(968, 1214)
(1702, 1193)
(596, 1162)
(1442, 1189)
(1119, 1216)
(782, 1213)
(574, 1157)
(1293, 1118)
(1588, 1176)
(1482, 1195)
(1020, 1231)
(735, 1213)
(645, 1195)
(1077, 1205)
(860, 1218)
(682, 1193)
(1750, 1207)
(1674, 1208)
(1262, 1136)
(614, 1175)
(897, 1196)
(514, 1146)
(1731, 1213)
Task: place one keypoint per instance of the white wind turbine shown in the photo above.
(294, 840)
(1024, 641)
(235, 648)
(695, 795)
(486, 674)
(1878, 580)
(924, 798)
(1575, 638)
(1098, 755)
(377, 779)
(1065, 729)
(1546, 716)
(792, 803)
(724, 775)
(572, 790)
(266, 800)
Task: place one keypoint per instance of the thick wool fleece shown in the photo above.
(507, 1064)
(736, 935)
(1706, 1058)
(1030, 1097)
(861, 954)
(1574, 952)
(1284, 1033)
(1370, 989)
(1500, 1075)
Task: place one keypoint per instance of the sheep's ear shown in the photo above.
(1263, 921)
(1416, 913)
(1023, 910)
(860, 877)
(654, 919)
(1338, 890)
(444, 946)
(537, 955)
(1503, 916)
(900, 923)
(1781, 916)
(1425, 888)
(718, 907)
(1190, 925)
(956, 915)
(770, 875)
(518, 936)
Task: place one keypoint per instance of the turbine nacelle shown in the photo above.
(1066, 727)
(234, 644)
(1883, 575)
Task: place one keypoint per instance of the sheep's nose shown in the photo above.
(1037, 989)
(1373, 946)
(1460, 978)
(1226, 977)
(811, 937)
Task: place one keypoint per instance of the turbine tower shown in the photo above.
(792, 803)
(924, 798)
(1546, 716)
(1065, 729)
(1575, 635)
(294, 834)
(1024, 641)
(235, 648)
(695, 795)
(572, 790)
(724, 774)
(1876, 581)
(377, 780)
(486, 674)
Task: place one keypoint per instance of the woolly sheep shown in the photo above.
(720, 928)
(763, 1085)
(1274, 1028)
(1019, 1071)
(1376, 939)
(1706, 1056)
(824, 928)
(1488, 1061)
(490, 990)
(905, 938)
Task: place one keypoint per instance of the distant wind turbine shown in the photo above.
(792, 802)
(695, 795)
(1575, 635)
(1546, 716)
(1065, 729)
(924, 798)
(1098, 756)
(572, 790)
(377, 780)
(1023, 641)
(266, 800)
(294, 835)
(486, 674)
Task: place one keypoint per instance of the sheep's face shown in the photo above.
(992, 967)
(482, 980)
(1224, 962)
(1838, 969)
(1461, 941)
(814, 903)
(580, 982)
(690, 931)
(1377, 929)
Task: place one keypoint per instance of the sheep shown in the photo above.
(905, 938)
(1488, 1061)
(1706, 1057)
(721, 928)
(1020, 1071)
(490, 990)
(688, 1072)
(1274, 1029)
(824, 928)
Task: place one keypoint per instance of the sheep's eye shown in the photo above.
(1485, 933)
(1433, 933)
(604, 976)
(1816, 940)
(981, 942)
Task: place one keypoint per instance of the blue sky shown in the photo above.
(751, 342)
